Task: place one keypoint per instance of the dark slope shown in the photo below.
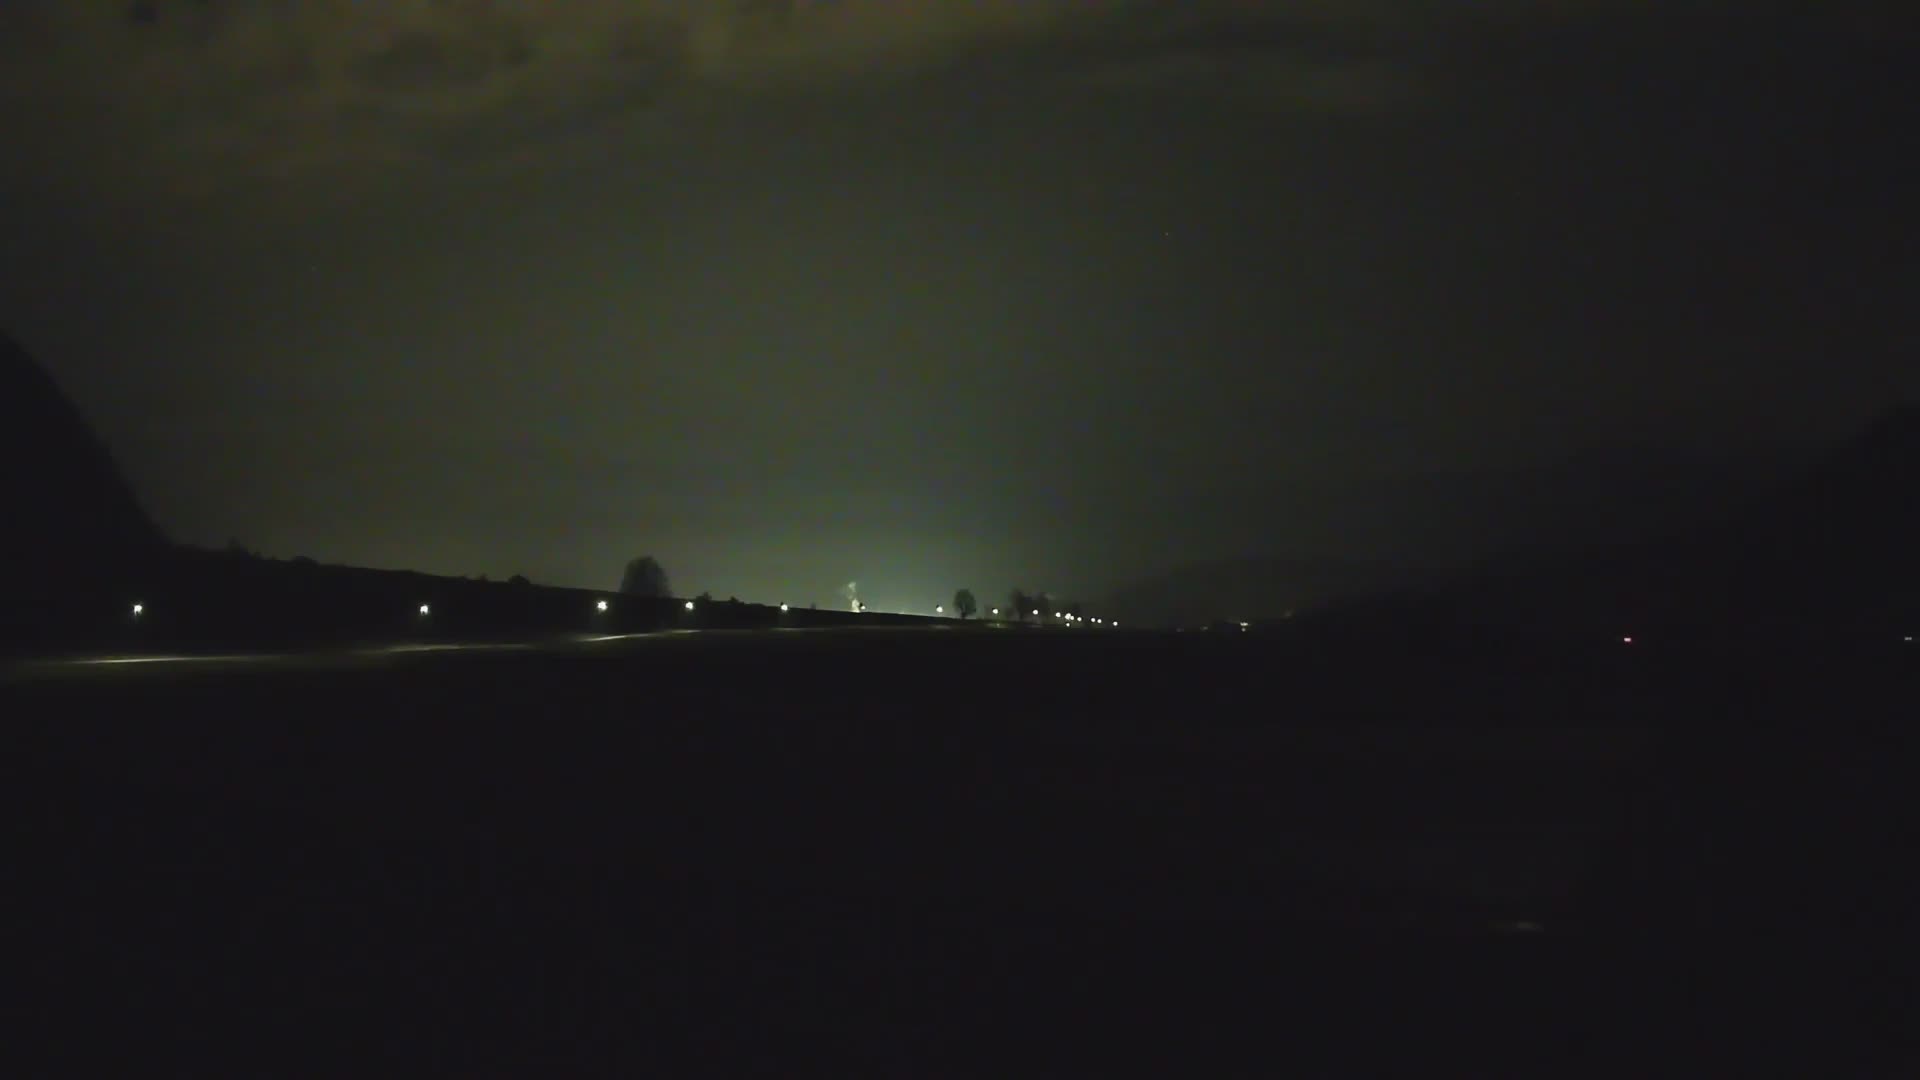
(71, 522)
(1833, 552)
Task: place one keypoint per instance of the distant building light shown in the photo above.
(783, 607)
(1628, 640)
(426, 609)
(996, 611)
(141, 609)
(600, 605)
(1246, 626)
(689, 605)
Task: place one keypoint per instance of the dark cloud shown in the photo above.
(201, 96)
(197, 93)
(910, 292)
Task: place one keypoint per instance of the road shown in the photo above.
(80, 665)
(1140, 776)
(873, 842)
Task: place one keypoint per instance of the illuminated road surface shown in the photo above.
(353, 656)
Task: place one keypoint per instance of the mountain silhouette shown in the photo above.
(1829, 552)
(1840, 543)
(1430, 529)
(71, 517)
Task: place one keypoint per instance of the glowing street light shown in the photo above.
(426, 609)
(600, 605)
(689, 605)
(1628, 640)
(783, 607)
(141, 609)
(996, 611)
(939, 609)
(1036, 613)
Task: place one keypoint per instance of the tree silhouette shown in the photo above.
(1022, 603)
(644, 577)
(964, 603)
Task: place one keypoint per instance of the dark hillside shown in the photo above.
(72, 527)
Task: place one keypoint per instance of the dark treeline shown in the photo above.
(185, 598)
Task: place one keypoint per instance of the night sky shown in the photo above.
(1051, 293)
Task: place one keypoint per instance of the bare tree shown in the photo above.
(964, 603)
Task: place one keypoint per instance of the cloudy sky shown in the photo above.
(928, 293)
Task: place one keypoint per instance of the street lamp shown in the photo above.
(140, 609)
(600, 605)
(996, 611)
(939, 609)
(783, 607)
(426, 609)
(689, 605)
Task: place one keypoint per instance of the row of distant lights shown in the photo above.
(598, 605)
(140, 609)
(1058, 615)
(602, 606)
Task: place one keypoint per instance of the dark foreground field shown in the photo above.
(961, 853)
